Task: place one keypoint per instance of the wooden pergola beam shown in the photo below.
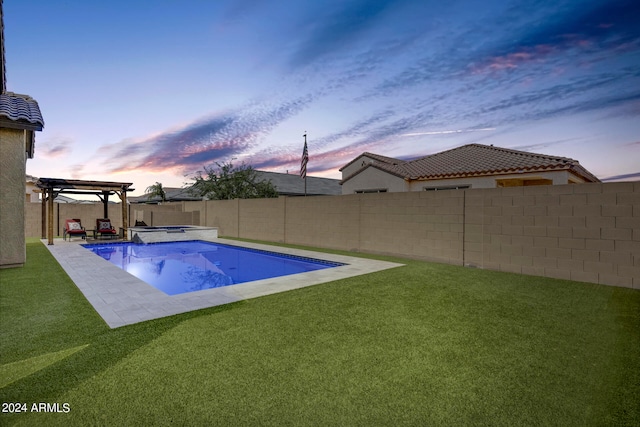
(51, 187)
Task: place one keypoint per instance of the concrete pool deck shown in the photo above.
(122, 299)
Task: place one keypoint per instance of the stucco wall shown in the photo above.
(558, 178)
(356, 165)
(372, 178)
(12, 197)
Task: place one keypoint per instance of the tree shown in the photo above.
(229, 182)
(156, 190)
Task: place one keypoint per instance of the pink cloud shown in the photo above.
(54, 148)
(514, 60)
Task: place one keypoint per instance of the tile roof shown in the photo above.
(477, 160)
(286, 185)
(172, 194)
(292, 185)
(20, 108)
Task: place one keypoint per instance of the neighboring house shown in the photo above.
(285, 184)
(20, 118)
(32, 192)
(469, 166)
(293, 185)
(172, 194)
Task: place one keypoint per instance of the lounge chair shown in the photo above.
(73, 227)
(104, 228)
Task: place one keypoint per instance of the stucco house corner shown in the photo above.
(20, 118)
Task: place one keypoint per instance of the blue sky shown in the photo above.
(146, 91)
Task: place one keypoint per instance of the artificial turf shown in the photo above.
(423, 344)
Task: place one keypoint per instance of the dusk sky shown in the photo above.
(146, 91)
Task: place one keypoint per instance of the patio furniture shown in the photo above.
(73, 227)
(105, 229)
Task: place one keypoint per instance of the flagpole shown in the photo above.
(305, 174)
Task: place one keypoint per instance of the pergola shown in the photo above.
(51, 187)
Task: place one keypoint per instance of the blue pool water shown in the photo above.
(180, 267)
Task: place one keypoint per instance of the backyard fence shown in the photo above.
(584, 232)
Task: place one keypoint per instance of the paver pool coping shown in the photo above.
(123, 299)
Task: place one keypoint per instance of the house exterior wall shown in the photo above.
(374, 179)
(31, 195)
(356, 165)
(558, 178)
(13, 160)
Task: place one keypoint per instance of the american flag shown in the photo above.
(305, 159)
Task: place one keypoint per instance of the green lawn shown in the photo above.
(424, 344)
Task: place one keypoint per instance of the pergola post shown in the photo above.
(43, 216)
(125, 213)
(105, 200)
(50, 217)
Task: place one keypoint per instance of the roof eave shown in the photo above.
(518, 171)
(19, 124)
(373, 165)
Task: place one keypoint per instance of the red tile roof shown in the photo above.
(474, 160)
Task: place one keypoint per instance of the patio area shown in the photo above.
(122, 299)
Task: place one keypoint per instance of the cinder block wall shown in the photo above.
(425, 225)
(262, 219)
(32, 219)
(223, 214)
(156, 214)
(86, 212)
(584, 232)
(326, 221)
(161, 218)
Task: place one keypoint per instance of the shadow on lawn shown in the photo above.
(103, 352)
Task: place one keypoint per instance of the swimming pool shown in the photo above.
(189, 266)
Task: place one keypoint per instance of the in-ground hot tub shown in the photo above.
(171, 233)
